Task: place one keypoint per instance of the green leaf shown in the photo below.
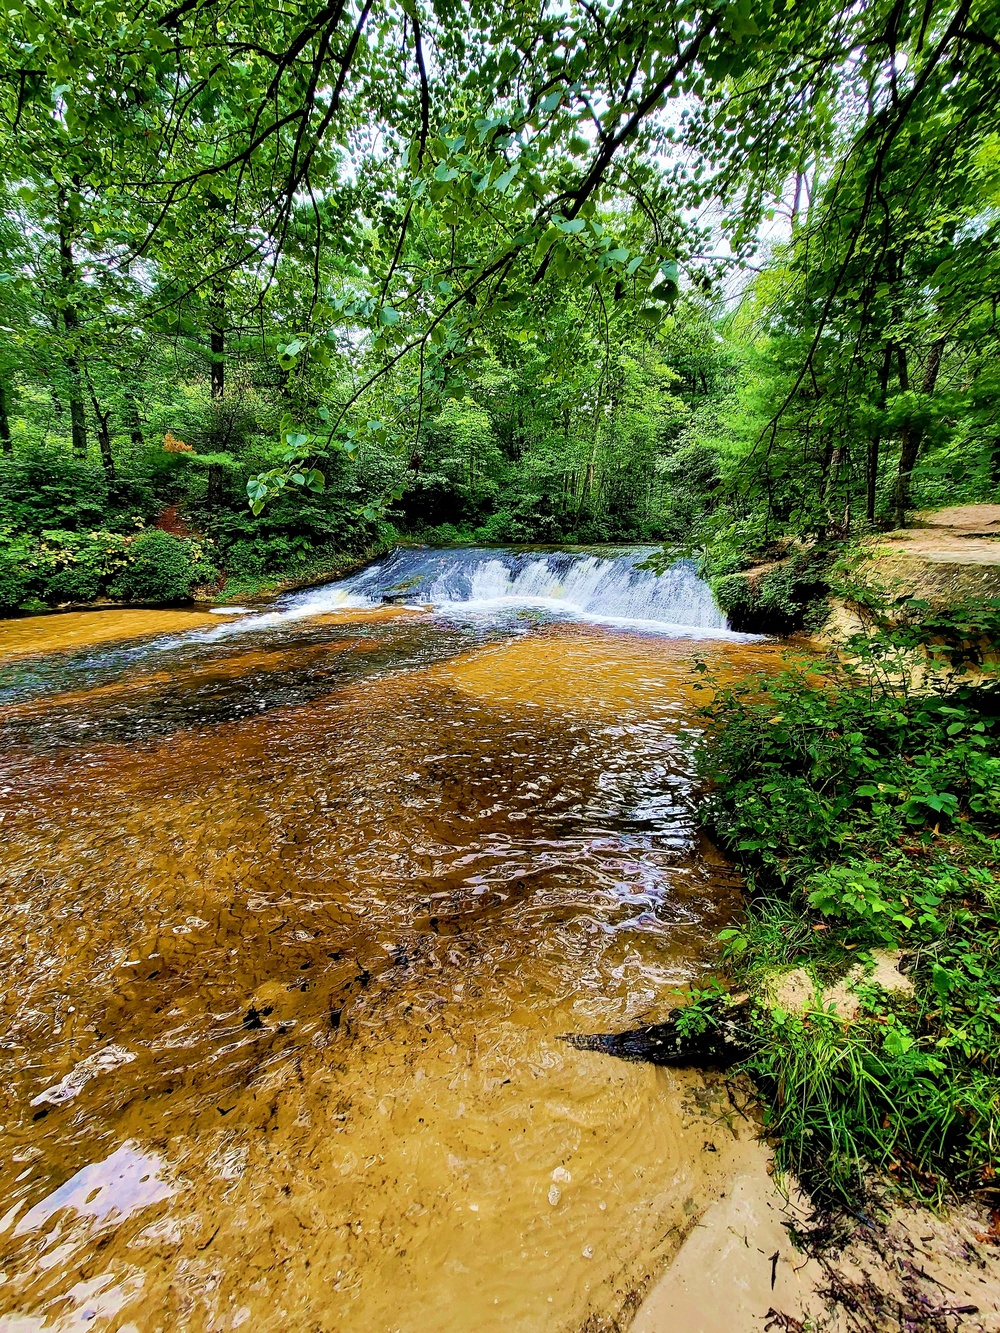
(501, 182)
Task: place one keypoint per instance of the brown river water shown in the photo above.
(292, 920)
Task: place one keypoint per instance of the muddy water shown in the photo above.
(291, 923)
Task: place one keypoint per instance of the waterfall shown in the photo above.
(474, 582)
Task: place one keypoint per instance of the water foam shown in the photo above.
(608, 588)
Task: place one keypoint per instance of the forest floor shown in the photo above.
(962, 535)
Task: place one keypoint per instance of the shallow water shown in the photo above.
(292, 920)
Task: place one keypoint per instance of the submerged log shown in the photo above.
(721, 1036)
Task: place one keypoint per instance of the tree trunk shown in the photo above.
(875, 444)
(5, 443)
(797, 199)
(71, 325)
(825, 466)
(104, 440)
(832, 472)
(217, 339)
(103, 420)
(909, 445)
(132, 421)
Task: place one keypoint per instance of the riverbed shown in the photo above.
(295, 909)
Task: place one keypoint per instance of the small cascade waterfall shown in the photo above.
(462, 582)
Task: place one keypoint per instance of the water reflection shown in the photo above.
(120, 1185)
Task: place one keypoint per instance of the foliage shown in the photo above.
(161, 568)
(780, 596)
(865, 810)
(521, 224)
(43, 486)
(66, 566)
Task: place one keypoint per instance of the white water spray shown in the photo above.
(474, 583)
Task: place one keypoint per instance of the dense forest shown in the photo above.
(280, 285)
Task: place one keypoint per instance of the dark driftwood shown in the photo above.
(726, 1039)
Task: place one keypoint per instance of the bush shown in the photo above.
(43, 487)
(59, 567)
(524, 518)
(786, 597)
(251, 559)
(15, 575)
(161, 568)
(445, 534)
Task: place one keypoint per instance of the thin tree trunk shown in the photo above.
(829, 453)
(71, 325)
(217, 336)
(104, 440)
(836, 457)
(910, 441)
(132, 421)
(5, 442)
(797, 199)
(103, 420)
(875, 444)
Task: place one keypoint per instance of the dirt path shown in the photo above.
(949, 555)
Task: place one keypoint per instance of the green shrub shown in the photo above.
(787, 597)
(445, 534)
(248, 558)
(15, 574)
(41, 486)
(78, 566)
(733, 595)
(161, 568)
(58, 567)
(525, 518)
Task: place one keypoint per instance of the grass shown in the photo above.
(864, 811)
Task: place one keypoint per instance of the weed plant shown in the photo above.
(861, 793)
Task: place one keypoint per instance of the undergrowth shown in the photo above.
(317, 566)
(861, 794)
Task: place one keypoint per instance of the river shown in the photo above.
(295, 907)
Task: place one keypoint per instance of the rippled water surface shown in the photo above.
(292, 917)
